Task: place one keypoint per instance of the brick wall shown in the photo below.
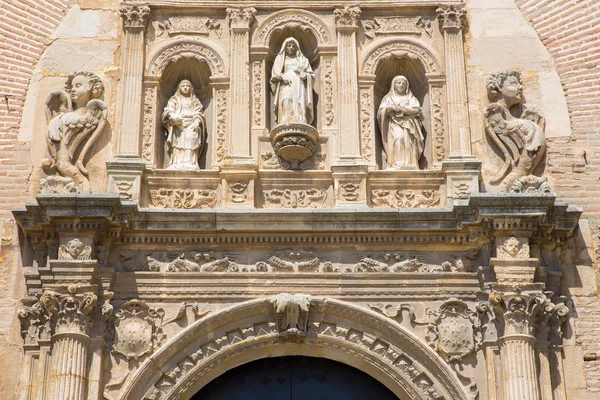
(25, 27)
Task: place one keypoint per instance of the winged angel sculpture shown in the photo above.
(518, 131)
(76, 118)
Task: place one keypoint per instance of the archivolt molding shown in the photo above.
(382, 50)
(293, 19)
(198, 49)
(336, 330)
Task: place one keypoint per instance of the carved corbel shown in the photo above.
(451, 17)
(135, 15)
(291, 312)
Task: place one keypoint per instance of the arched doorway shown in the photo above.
(294, 378)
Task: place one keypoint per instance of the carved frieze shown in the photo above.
(148, 124)
(192, 261)
(398, 26)
(189, 26)
(257, 92)
(287, 198)
(293, 261)
(350, 191)
(125, 189)
(329, 93)
(75, 249)
(366, 123)
(183, 198)
(221, 107)
(291, 312)
(404, 262)
(438, 122)
(405, 198)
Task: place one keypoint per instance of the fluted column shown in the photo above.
(451, 21)
(240, 21)
(135, 17)
(346, 21)
(70, 342)
(518, 362)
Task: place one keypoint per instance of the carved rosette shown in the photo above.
(135, 15)
(347, 17)
(240, 18)
(451, 17)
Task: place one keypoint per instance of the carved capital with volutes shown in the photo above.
(36, 322)
(531, 314)
(347, 18)
(240, 18)
(71, 311)
(451, 17)
(135, 15)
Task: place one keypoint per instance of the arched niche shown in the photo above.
(337, 330)
(199, 61)
(421, 65)
(293, 19)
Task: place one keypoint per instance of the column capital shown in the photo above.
(135, 15)
(70, 310)
(240, 18)
(347, 18)
(451, 17)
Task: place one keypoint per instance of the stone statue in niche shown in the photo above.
(293, 139)
(76, 120)
(399, 118)
(291, 82)
(183, 118)
(518, 131)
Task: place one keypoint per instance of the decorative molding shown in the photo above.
(291, 313)
(257, 92)
(397, 26)
(366, 123)
(189, 49)
(238, 191)
(405, 198)
(462, 191)
(240, 18)
(329, 105)
(439, 123)
(221, 113)
(135, 16)
(183, 198)
(531, 184)
(149, 124)
(399, 49)
(75, 249)
(292, 19)
(287, 198)
(189, 25)
(452, 17)
(350, 191)
(124, 188)
(347, 17)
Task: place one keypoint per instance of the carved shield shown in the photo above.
(456, 335)
(133, 330)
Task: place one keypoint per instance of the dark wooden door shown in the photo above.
(294, 378)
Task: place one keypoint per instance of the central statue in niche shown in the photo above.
(399, 117)
(293, 138)
(183, 118)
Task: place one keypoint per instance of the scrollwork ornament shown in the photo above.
(35, 323)
(135, 16)
(70, 311)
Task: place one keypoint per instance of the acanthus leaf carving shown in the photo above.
(451, 17)
(287, 198)
(36, 322)
(405, 198)
(347, 16)
(240, 17)
(135, 16)
(70, 311)
(439, 124)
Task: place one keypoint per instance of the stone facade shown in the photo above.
(293, 199)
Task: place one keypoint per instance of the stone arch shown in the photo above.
(400, 47)
(337, 330)
(197, 49)
(293, 19)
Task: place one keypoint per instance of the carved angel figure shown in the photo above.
(183, 117)
(291, 82)
(518, 131)
(76, 120)
(399, 118)
(74, 250)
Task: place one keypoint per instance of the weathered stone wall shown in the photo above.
(568, 30)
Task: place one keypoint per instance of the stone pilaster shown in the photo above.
(451, 21)
(347, 21)
(240, 21)
(70, 342)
